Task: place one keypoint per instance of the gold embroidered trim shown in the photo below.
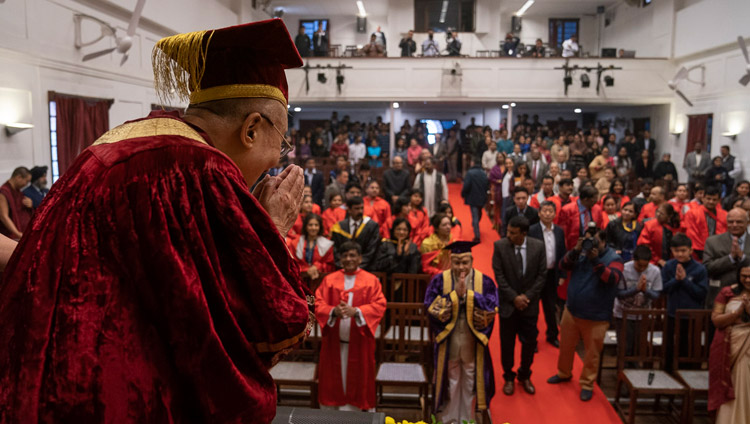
(237, 91)
(149, 128)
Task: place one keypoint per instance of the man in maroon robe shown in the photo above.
(152, 286)
(15, 208)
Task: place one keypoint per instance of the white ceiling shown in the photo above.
(555, 8)
(317, 8)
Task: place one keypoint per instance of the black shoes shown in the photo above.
(555, 379)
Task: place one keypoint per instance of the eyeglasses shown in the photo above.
(286, 147)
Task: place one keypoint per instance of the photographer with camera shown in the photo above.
(595, 275)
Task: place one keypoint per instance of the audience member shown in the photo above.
(375, 206)
(656, 199)
(546, 192)
(648, 144)
(553, 238)
(456, 227)
(519, 207)
(474, 193)
(418, 216)
(373, 48)
(313, 252)
(397, 253)
(430, 46)
(623, 232)
(396, 180)
(705, 220)
(728, 385)
(489, 157)
(643, 165)
(576, 217)
(408, 45)
(641, 284)
(379, 37)
(726, 253)
(538, 169)
(358, 228)
(733, 167)
(333, 213)
(461, 341)
(302, 42)
(665, 170)
(320, 43)
(15, 208)
(433, 184)
(697, 163)
(719, 176)
(38, 187)
(434, 259)
(349, 305)
(657, 233)
(595, 275)
(741, 191)
(570, 46)
(510, 45)
(357, 151)
(337, 186)
(454, 46)
(605, 211)
(685, 286)
(600, 163)
(538, 49)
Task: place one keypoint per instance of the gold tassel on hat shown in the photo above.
(179, 62)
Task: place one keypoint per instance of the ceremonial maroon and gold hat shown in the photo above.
(243, 61)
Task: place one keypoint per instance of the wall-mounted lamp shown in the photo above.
(16, 127)
(729, 134)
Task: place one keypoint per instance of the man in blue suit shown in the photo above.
(553, 238)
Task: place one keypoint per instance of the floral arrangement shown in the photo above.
(389, 420)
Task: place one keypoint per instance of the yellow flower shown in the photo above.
(389, 420)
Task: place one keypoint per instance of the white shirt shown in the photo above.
(570, 48)
(698, 157)
(549, 244)
(346, 323)
(357, 152)
(505, 187)
(523, 253)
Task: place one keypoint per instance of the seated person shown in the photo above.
(334, 213)
(314, 253)
(456, 227)
(398, 254)
(418, 216)
(434, 258)
(376, 207)
(349, 305)
(305, 209)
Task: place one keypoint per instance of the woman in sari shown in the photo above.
(434, 258)
(729, 361)
(456, 227)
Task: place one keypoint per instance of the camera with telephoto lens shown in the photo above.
(587, 245)
(588, 242)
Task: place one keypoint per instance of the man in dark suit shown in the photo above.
(358, 228)
(314, 179)
(537, 167)
(520, 281)
(553, 238)
(302, 42)
(396, 181)
(320, 43)
(474, 192)
(648, 143)
(519, 207)
(697, 163)
(726, 253)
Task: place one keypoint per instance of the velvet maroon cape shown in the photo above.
(151, 287)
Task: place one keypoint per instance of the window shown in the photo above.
(441, 15)
(53, 140)
(312, 25)
(561, 30)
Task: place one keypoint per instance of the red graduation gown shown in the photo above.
(377, 209)
(151, 286)
(360, 374)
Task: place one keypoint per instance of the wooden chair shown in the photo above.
(409, 288)
(404, 353)
(648, 323)
(696, 357)
(300, 373)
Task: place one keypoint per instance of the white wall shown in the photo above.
(647, 30)
(710, 24)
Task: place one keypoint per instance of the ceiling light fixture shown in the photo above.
(577, 110)
(513, 104)
(298, 109)
(16, 127)
(506, 107)
(361, 7)
(396, 105)
(443, 11)
(524, 8)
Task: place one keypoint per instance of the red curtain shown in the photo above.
(697, 126)
(80, 122)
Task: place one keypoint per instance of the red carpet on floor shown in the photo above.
(559, 404)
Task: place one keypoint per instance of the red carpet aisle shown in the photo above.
(551, 404)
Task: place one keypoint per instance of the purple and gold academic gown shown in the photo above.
(483, 295)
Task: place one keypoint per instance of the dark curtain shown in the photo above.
(80, 122)
(697, 125)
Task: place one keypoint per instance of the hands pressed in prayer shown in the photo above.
(642, 283)
(679, 273)
(461, 284)
(736, 252)
(281, 196)
(313, 272)
(343, 310)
